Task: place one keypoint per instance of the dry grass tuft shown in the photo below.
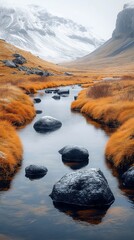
(99, 91)
(15, 106)
(10, 150)
(120, 147)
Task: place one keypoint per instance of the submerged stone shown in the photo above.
(83, 188)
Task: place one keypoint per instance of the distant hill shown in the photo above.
(118, 52)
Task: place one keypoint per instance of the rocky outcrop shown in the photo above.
(46, 124)
(125, 23)
(83, 188)
(74, 154)
(34, 172)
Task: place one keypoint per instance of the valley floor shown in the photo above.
(109, 102)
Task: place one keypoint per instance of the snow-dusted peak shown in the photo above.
(53, 38)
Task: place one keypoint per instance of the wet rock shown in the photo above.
(38, 111)
(83, 188)
(46, 124)
(60, 92)
(48, 91)
(56, 97)
(74, 154)
(37, 100)
(9, 63)
(34, 172)
(128, 178)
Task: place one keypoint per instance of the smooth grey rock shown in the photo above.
(34, 171)
(9, 63)
(83, 188)
(46, 124)
(128, 178)
(74, 154)
(56, 97)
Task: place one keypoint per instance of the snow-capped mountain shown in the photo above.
(52, 38)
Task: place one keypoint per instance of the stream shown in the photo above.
(26, 209)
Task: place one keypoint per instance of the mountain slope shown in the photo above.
(50, 37)
(116, 53)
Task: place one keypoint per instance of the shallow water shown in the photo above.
(27, 211)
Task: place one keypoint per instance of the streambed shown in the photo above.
(26, 209)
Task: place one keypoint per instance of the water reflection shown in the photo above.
(91, 216)
(75, 165)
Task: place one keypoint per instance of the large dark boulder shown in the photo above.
(46, 124)
(74, 154)
(34, 172)
(83, 188)
(128, 178)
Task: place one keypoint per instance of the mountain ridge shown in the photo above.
(52, 38)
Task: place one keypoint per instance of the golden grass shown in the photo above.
(15, 106)
(10, 150)
(120, 147)
(112, 104)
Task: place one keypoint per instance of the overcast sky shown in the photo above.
(98, 14)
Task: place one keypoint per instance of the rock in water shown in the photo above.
(128, 178)
(34, 172)
(56, 97)
(37, 100)
(46, 124)
(83, 188)
(74, 154)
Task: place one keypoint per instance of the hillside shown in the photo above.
(117, 54)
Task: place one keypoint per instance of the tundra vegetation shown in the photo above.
(111, 103)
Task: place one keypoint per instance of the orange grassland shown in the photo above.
(111, 103)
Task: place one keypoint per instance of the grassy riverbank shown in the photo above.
(111, 103)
